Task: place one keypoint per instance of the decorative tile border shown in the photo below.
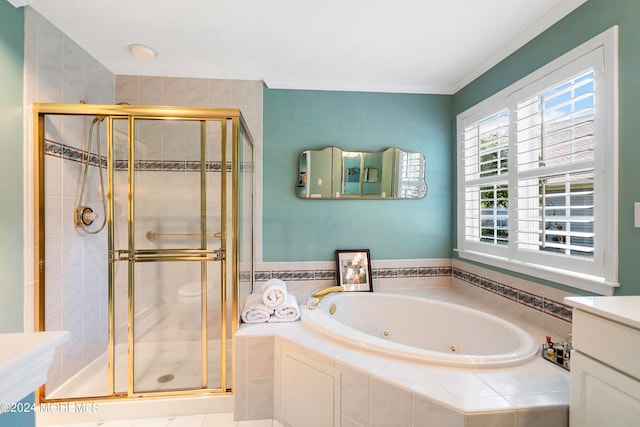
(297, 275)
(172, 166)
(55, 149)
(376, 273)
(65, 152)
(536, 302)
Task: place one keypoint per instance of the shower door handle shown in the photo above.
(168, 255)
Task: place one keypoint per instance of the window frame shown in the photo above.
(600, 273)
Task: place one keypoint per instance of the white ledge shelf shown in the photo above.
(24, 362)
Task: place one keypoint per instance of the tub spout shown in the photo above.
(317, 296)
(326, 291)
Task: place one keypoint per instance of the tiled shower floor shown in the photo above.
(153, 362)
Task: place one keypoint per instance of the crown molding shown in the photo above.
(357, 87)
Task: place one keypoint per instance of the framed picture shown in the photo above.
(353, 269)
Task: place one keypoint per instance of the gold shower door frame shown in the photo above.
(201, 255)
(133, 255)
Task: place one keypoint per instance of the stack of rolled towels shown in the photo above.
(273, 304)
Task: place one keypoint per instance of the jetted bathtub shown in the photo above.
(421, 330)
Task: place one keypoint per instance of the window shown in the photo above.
(537, 172)
(411, 172)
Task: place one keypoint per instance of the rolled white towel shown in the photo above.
(288, 311)
(255, 311)
(274, 293)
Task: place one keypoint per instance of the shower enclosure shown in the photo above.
(143, 246)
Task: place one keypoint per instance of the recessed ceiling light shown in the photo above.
(141, 51)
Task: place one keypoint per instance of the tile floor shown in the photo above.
(206, 420)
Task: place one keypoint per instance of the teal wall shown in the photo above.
(311, 230)
(590, 19)
(22, 416)
(11, 187)
(11, 179)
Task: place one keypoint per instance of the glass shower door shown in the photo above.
(152, 300)
(175, 277)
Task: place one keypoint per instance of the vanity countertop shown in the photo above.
(24, 361)
(621, 309)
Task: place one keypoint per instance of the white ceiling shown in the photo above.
(410, 46)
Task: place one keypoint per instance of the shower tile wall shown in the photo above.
(166, 147)
(167, 200)
(191, 92)
(58, 70)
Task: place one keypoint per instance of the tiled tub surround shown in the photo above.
(303, 278)
(530, 301)
(381, 391)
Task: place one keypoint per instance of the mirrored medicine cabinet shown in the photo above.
(333, 173)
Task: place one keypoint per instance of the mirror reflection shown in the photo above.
(332, 173)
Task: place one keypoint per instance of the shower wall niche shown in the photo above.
(151, 299)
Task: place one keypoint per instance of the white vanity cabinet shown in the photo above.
(605, 372)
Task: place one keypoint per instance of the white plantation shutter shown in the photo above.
(537, 172)
(555, 143)
(485, 165)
